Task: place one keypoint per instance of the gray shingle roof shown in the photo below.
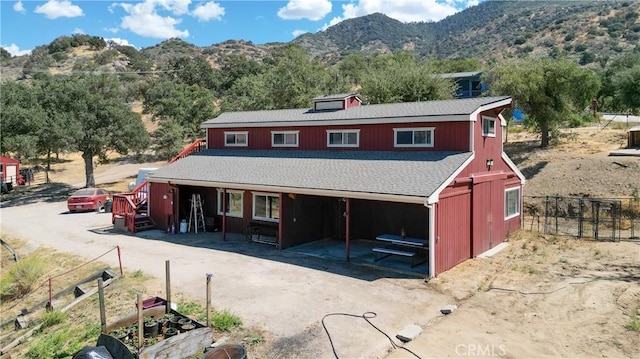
(397, 111)
(389, 173)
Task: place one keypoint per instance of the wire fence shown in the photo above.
(604, 219)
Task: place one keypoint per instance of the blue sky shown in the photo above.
(25, 24)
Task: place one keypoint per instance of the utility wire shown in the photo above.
(366, 316)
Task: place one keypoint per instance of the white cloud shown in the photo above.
(113, 30)
(143, 19)
(78, 30)
(119, 41)
(54, 9)
(402, 10)
(305, 9)
(14, 50)
(19, 7)
(297, 33)
(208, 11)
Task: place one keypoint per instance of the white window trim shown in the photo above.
(297, 133)
(506, 207)
(253, 206)
(219, 209)
(430, 130)
(489, 134)
(246, 136)
(343, 132)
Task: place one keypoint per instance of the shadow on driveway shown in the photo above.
(326, 255)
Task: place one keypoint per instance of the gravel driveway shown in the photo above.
(283, 293)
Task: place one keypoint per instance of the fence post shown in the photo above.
(580, 218)
(546, 213)
(119, 260)
(556, 214)
(50, 307)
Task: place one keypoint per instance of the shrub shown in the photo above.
(54, 317)
(21, 278)
(225, 320)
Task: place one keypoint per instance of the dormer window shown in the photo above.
(336, 102)
(238, 139)
(284, 138)
(488, 126)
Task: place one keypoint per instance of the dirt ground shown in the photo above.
(579, 165)
(543, 296)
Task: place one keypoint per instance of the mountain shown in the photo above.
(591, 31)
(491, 30)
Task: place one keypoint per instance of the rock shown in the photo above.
(409, 333)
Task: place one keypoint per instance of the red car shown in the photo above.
(88, 199)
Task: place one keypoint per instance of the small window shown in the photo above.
(511, 203)
(234, 203)
(284, 138)
(413, 137)
(235, 138)
(489, 126)
(266, 207)
(343, 138)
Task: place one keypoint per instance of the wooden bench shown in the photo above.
(416, 249)
(263, 232)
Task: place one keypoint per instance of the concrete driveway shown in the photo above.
(281, 292)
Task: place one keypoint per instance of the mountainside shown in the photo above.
(591, 31)
(492, 30)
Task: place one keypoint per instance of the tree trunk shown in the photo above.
(88, 169)
(48, 160)
(544, 127)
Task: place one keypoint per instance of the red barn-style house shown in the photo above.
(432, 171)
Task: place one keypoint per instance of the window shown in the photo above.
(234, 203)
(511, 203)
(266, 207)
(489, 126)
(413, 137)
(284, 138)
(343, 138)
(235, 138)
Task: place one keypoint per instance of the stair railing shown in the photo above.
(125, 205)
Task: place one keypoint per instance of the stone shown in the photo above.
(448, 309)
(409, 333)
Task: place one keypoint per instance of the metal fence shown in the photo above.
(606, 219)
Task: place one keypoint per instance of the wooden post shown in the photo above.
(167, 267)
(347, 224)
(280, 219)
(140, 323)
(103, 314)
(209, 275)
(224, 214)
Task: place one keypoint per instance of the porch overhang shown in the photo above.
(407, 177)
(296, 190)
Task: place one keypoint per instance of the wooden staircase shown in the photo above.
(130, 210)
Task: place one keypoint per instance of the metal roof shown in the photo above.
(393, 112)
(359, 173)
(459, 75)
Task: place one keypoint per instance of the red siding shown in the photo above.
(453, 231)
(352, 102)
(448, 136)
(157, 205)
